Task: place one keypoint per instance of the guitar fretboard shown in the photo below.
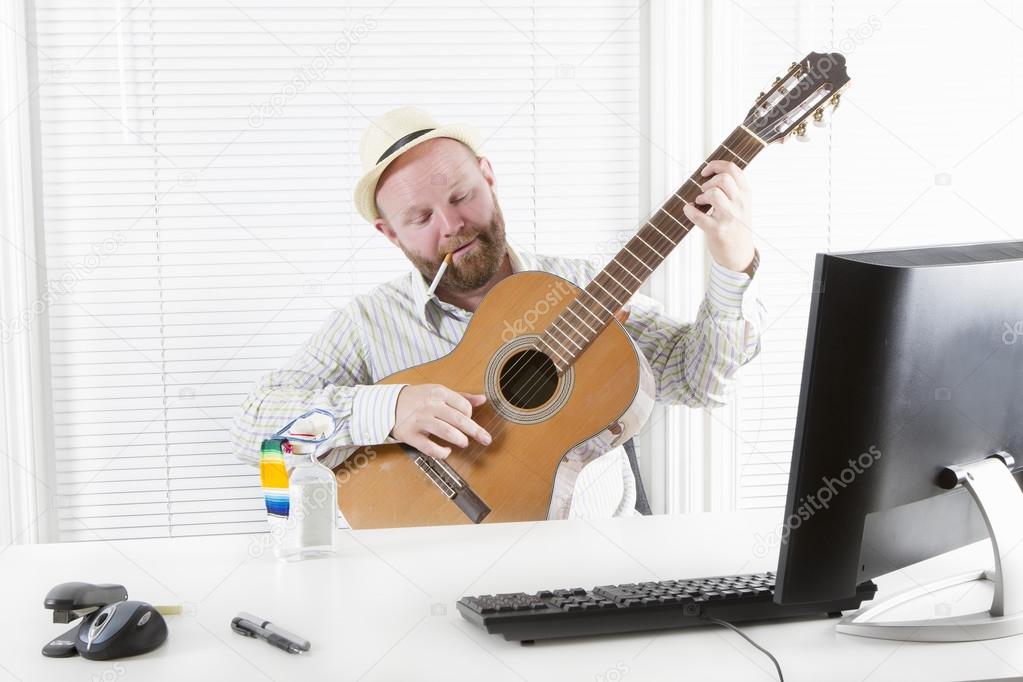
(586, 316)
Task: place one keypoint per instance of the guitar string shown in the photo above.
(661, 236)
(751, 143)
(474, 449)
(747, 143)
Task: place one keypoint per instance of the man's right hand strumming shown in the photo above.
(433, 409)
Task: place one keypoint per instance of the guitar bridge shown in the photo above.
(453, 486)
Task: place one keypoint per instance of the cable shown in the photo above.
(781, 678)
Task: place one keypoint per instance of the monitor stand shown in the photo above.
(1000, 499)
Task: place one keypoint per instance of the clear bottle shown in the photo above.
(312, 490)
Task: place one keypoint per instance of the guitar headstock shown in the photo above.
(806, 89)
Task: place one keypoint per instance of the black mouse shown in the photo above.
(124, 628)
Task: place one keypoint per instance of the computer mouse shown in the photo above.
(124, 628)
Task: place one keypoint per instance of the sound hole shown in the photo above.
(528, 379)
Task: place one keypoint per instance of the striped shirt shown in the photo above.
(398, 325)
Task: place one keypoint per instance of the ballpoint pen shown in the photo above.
(251, 626)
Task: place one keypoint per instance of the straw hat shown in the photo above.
(391, 135)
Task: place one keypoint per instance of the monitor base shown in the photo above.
(1000, 499)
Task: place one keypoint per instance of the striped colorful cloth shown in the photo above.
(273, 477)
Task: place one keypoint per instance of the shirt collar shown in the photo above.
(520, 260)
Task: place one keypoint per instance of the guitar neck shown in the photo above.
(583, 319)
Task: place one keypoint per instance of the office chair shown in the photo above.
(642, 503)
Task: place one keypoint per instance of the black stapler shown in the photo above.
(71, 601)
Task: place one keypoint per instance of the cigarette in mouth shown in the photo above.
(440, 273)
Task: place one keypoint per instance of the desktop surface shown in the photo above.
(383, 607)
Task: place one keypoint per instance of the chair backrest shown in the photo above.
(642, 503)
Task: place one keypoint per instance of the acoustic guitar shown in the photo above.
(555, 364)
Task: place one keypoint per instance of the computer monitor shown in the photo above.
(913, 380)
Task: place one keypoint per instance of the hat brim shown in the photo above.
(366, 187)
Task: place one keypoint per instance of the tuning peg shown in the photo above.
(800, 132)
(818, 118)
(834, 100)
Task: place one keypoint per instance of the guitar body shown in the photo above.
(534, 415)
(541, 404)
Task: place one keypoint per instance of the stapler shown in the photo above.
(71, 601)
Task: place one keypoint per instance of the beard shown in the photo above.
(473, 270)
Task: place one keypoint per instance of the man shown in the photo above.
(430, 193)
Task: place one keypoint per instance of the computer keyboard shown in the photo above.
(633, 607)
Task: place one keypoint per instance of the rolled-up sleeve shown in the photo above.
(695, 363)
(329, 371)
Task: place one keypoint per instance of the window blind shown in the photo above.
(197, 163)
(791, 185)
(902, 165)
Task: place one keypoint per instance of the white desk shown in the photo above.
(383, 608)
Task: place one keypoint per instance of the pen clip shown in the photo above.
(266, 629)
(244, 627)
